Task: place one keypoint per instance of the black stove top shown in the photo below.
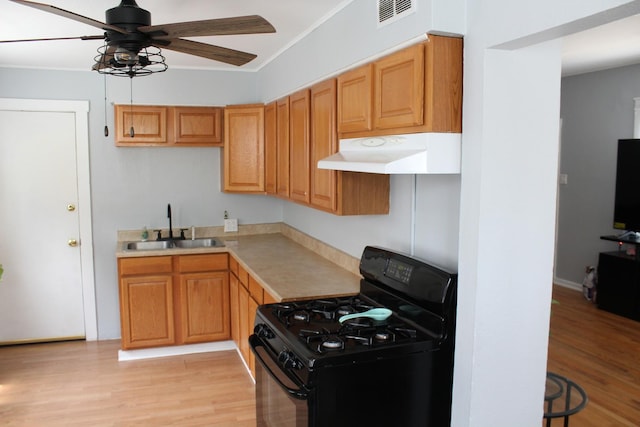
(418, 295)
(316, 324)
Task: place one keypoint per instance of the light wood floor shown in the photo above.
(83, 384)
(600, 351)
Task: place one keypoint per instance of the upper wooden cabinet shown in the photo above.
(197, 125)
(399, 89)
(339, 192)
(282, 143)
(299, 146)
(244, 148)
(323, 142)
(270, 149)
(167, 126)
(417, 89)
(147, 122)
(355, 106)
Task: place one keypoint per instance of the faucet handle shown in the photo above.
(182, 230)
(159, 236)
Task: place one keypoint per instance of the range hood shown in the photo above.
(417, 153)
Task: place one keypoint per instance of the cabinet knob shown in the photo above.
(71, 207)
(72, 242)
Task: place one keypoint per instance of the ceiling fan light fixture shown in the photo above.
(124, 56)
(125, 63)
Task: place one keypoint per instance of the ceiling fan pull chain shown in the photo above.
(106, 128)
(131, 132)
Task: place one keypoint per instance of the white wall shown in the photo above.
(508, 195)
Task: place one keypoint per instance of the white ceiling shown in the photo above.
(608, 46)
(292, 19)
(611, 45)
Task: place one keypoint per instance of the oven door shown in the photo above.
(281, 399)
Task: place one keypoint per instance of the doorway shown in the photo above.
(47, 291)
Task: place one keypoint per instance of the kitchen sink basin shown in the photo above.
(150, 245)
(198, 243)
(177, 244)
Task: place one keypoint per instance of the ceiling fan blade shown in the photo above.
(252, 24)
(70, 15)
(217, 53)
(55, 38)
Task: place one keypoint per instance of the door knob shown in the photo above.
(72, 242)
(71, 207)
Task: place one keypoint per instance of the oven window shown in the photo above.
(274, 407)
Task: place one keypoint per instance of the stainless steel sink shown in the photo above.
(150, 245)
(198, 243)
(168, 244)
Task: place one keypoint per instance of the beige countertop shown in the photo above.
(286, 269)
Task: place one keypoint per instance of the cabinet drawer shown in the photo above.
(205, 262)
(256, 290)
(146, 265)
(233, 265)
(269, 299)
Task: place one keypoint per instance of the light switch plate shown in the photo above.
(230, 225)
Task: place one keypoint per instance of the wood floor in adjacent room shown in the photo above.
(600, 351)
(83, 384)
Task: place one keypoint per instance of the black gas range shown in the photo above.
(383, 357)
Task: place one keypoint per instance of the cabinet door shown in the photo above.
(270, 149)
(355, 99)
(253, 306)
(234, 308)
(399, 89)
(149, 125)
(244, 149)
(282, 137)
(243, 314)
(323, 142)
(197, 126)
(147, 311)
(299, 145)
(204, 307)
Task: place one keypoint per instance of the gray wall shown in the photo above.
(597, 109)
(131, 186)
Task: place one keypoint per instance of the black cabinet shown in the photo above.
(619, 284)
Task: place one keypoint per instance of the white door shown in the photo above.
(41, 293)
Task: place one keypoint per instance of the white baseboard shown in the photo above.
(148, 353)
(567, 284)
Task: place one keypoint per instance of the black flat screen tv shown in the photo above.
(626, 213)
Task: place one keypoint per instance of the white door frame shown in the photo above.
(81, 111)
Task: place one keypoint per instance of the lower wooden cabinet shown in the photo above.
(246, 295)
(204, 299)
(172, 300)
(147, 311)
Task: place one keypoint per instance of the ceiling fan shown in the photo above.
(132, 46)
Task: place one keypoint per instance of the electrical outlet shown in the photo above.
(230, 225)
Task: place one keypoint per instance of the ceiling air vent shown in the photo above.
(392, 10)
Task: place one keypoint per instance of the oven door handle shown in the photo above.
(301, 392)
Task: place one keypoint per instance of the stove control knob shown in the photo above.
(263, 331)
(289, 360)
